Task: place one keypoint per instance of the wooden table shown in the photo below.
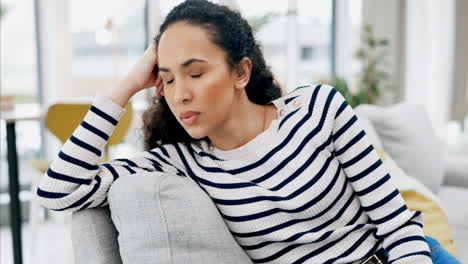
(19, 113)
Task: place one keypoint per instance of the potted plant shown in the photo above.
(372, 54)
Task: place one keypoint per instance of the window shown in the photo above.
(18, 50)
(107, 39)
(314, 31)
(307, 53)
(19, 78)
(306, 24)
(283, 34)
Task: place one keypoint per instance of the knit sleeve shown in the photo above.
(75, 181)
(399, 228)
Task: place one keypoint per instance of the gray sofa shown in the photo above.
(154, 220)
(171, 220)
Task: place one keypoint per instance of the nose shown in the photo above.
(182, 94)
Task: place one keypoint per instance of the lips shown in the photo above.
(189, 117)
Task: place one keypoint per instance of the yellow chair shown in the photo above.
(61, 120)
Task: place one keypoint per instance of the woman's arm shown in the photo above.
(74, 181)
(400, 228)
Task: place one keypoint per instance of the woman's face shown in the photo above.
(196, 78)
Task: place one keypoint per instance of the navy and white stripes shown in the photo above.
(309, 189)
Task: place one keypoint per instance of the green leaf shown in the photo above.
(367, 28)
(360, 54)
(383, 42)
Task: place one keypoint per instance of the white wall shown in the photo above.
(430, 58)
(56, 48)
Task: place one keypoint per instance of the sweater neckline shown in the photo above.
(255, 144)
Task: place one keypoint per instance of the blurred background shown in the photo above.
(416, 51)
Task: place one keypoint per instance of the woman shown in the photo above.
(294, 177)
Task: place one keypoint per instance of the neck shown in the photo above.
(247, 120)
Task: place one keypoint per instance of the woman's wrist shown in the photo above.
(123, 93)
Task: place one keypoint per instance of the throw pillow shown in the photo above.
(407, 135)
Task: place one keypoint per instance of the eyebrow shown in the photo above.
(184, 64)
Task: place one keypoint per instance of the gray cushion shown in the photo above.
(370, 131)
(94, 237)
(407, 135)
(168, 219)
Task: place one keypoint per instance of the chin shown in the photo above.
(195, 133)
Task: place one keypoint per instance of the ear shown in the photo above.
(242, 74)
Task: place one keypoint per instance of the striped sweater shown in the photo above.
(309, 189)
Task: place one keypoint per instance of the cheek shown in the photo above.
(219, 106)
(218, 93)
(220, 86)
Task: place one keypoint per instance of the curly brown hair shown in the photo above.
(228, 30)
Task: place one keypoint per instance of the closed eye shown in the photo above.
(169, 82)
(196, 75)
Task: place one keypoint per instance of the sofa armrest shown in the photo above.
(456, 171)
